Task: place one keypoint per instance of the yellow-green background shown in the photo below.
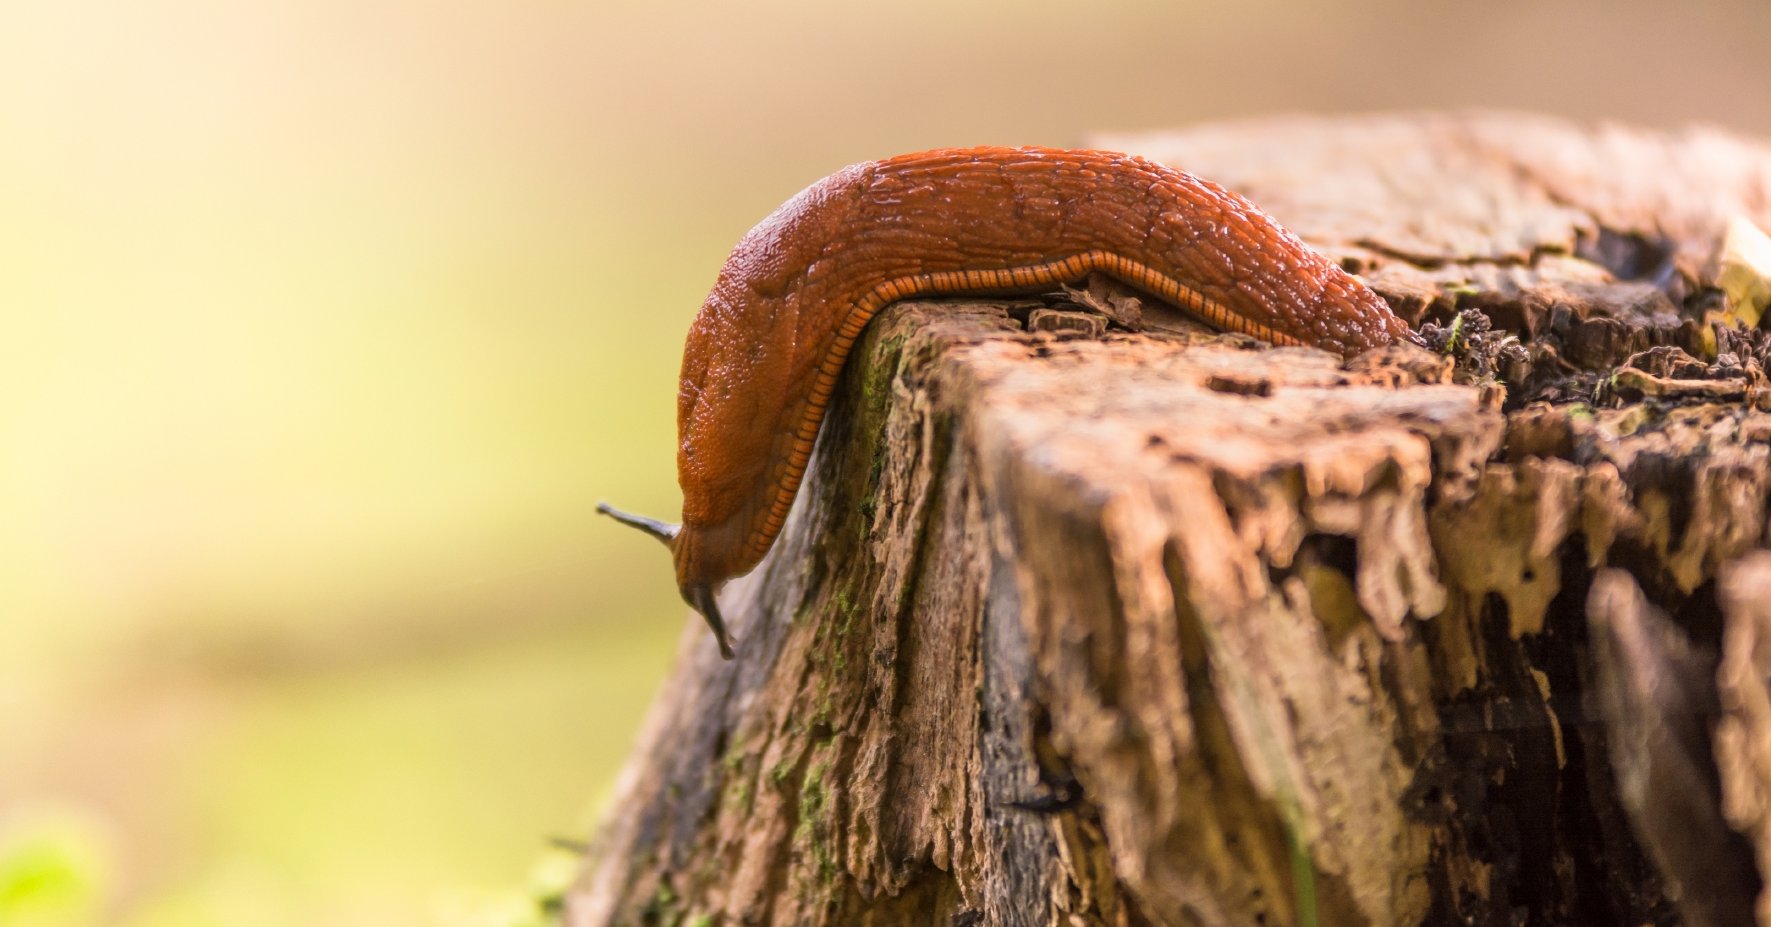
(327, 323)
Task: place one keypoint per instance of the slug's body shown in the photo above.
(764, 353)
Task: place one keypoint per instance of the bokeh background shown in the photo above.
(327, 323)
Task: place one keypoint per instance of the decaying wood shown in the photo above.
(1077, 626)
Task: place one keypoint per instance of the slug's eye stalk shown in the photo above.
(664, 531)
(698, 595)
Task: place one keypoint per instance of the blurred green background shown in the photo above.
(327, 324)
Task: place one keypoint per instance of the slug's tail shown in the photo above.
(699, 596)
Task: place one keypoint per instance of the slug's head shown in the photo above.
(1347, 317)
(696, 591)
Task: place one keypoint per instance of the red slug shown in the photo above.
(764, 353)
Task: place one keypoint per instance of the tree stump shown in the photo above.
(1085, 622)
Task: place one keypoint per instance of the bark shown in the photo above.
(1084, 623)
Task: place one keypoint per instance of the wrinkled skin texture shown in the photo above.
(756, 350)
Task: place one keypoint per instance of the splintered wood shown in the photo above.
(1075, 625)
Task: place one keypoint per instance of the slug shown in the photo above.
(764, 353)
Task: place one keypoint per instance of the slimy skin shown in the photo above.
(763, 355)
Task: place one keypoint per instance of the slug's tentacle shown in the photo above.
(764, 354)
(700, 597)
(652, 527)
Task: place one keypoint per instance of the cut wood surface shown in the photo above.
(1079, 623)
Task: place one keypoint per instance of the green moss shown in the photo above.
(813, 829)
(876, 387)
(875, 472)
(870, 413)
(733, 766)
(735, 753)
(779, 773)
(819, 726)
(662, 910)
(1454, 341)
(846, 610)
(869, 505)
